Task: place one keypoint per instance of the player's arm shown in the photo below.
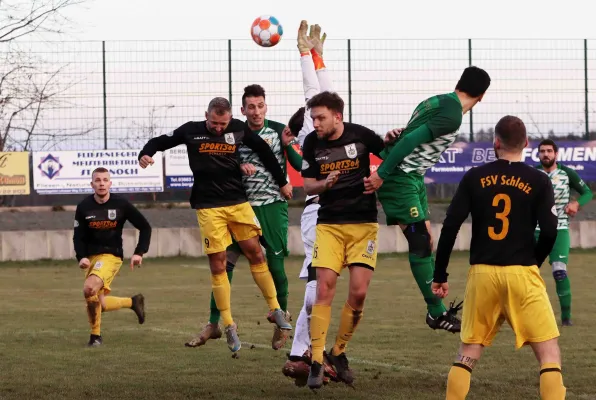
(80, 235)
(162, 143)
(288, 140)
(259, 146)
(457, 213)
(576, 183)
(310, 83)
(547, 220)
(294, 158)
(374, 143)
(138, 220)
(439, 125)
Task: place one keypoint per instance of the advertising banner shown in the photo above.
(14, 173)
(67, 172)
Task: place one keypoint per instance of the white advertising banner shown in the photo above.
(178, 173)
(64, 172)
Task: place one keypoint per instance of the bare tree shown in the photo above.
(29, 86)
(25, 18)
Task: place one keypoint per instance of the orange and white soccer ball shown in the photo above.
(266, 31)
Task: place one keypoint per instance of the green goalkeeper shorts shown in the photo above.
(274, 223)
(560, 251)
(403, 197)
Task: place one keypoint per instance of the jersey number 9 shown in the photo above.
(502, 215)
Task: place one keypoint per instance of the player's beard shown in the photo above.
(547, 163)
(329, 133)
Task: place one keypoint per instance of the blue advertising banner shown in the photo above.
(461, 156)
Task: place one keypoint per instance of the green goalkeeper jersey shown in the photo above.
(432, 128)
(260, 187)
(563, 180)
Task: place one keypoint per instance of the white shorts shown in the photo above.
(308, 229)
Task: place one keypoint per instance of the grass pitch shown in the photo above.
(44, 330)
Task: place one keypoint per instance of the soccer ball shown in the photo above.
(266, 31)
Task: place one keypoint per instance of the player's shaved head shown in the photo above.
(100, 170)
(219, 106)
(511, 134)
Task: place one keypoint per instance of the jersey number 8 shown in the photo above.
(504, 198)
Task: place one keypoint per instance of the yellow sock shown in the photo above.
(458, 382)
(347, 325)
(116, 303)
(551, 382)
(264, 281)
(94, 314)
(319, 324)
(222, 294)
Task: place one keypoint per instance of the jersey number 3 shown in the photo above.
(497, 200)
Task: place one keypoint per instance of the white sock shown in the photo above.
(301, 341)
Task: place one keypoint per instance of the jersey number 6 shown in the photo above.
(501, 197)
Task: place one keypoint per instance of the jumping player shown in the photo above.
(315, 78)
(432, 128)
(270, 207)
(506, 199)
(221, 202)
(336, 160)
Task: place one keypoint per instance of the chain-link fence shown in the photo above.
(118, 94)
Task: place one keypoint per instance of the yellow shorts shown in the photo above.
(217, 223)
(340, 245)
(514, 293)
(106, 267)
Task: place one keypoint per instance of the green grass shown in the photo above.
(44, 329)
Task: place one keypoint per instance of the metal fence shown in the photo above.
(118, 94)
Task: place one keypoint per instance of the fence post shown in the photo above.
(471, 113)
(105, 107)
(349, 80)
(587, 113)
(230, 70)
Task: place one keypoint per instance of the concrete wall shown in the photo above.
(168, 242)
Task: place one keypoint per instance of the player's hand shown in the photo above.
(286, 191)
(84, 263)
(572, 208)
(248, 169)
(315, 38)
(372, 183)
(286, 137)
(392, 135)
(331, 179)
(440, 290)
(304, 42)
(136, 260)
(146, 161)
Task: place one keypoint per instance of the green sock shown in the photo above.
(214, 316)
(278, 272)
(564, 293)
(423, 269)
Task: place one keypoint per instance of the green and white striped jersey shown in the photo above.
(563, 180)
(442, 116)
(260, 187)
